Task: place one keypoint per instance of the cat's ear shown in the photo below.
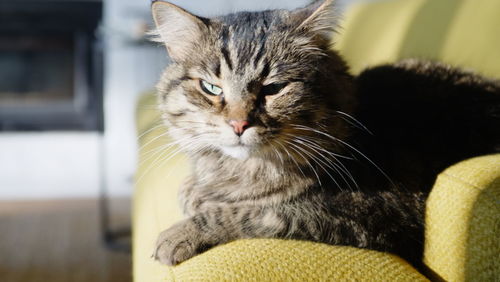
(318, 17)
(176, 28)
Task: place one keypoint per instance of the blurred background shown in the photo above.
(70, 75)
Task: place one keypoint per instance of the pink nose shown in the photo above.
(239, 126)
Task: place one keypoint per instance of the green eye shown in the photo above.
(210, 88)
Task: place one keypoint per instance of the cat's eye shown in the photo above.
(210, 88)
(273, 88)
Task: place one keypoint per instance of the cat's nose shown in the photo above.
(239, 126)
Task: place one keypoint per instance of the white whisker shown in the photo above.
(166, 146)
(169, 155)
(306, 160)
(152, 140)
(150, 129)
(318, 161)
(303, 127)
(328, 162)
(291, 157)
(338, 165)
(276, 152)
(356, 123)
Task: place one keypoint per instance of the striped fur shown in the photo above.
(292, 174)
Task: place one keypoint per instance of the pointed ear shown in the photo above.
(318, 17)
(176, 28)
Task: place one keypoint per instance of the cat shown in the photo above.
(285, 143)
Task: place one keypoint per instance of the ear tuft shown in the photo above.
(318, 17)
(176, 28)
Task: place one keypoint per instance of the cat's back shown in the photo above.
(425, 116)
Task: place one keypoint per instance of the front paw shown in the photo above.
(177, 244)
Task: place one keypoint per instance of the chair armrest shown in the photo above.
(462, 222)
(286, 260)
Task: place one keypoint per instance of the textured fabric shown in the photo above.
(462, 238)
(155, 205)
(462, 213)
(287, 260)
(461, 33)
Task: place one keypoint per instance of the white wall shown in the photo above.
(48, 165)
(219, 7)
(131, 69)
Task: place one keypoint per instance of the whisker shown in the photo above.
(276, 152)
(152, 140)
(168, 156)
(357, 123)
(155, 151)
(194, 122)
(328, 162)
(192, 147)
(303, 127)
(317, 161)
(157, 160)
(151, 129)
(338, 165)
(319, 146)
(291, 157)
(307, 161)
(344, 169)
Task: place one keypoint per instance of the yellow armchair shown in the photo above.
(462, 215)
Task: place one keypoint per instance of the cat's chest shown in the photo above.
(216, 186)
(196, 197)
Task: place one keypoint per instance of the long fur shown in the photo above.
(327, 157)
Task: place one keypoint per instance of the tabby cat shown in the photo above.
(285, 143)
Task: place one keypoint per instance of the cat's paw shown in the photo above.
(177, 244)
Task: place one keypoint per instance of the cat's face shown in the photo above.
(242, 83)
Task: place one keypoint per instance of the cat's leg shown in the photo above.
(187, 201)
(305, 220)
(216, 226)
(380, 222)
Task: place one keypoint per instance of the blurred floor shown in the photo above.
(58, 240)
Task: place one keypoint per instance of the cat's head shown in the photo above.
(244, 83)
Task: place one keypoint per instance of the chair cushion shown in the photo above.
(460, 33)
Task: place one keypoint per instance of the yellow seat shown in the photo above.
(462, 216)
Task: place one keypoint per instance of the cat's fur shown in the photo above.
(306, 168)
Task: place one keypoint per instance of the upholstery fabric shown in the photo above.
(463, 210)
(462, 241)
(287, 260)
(458, 32)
